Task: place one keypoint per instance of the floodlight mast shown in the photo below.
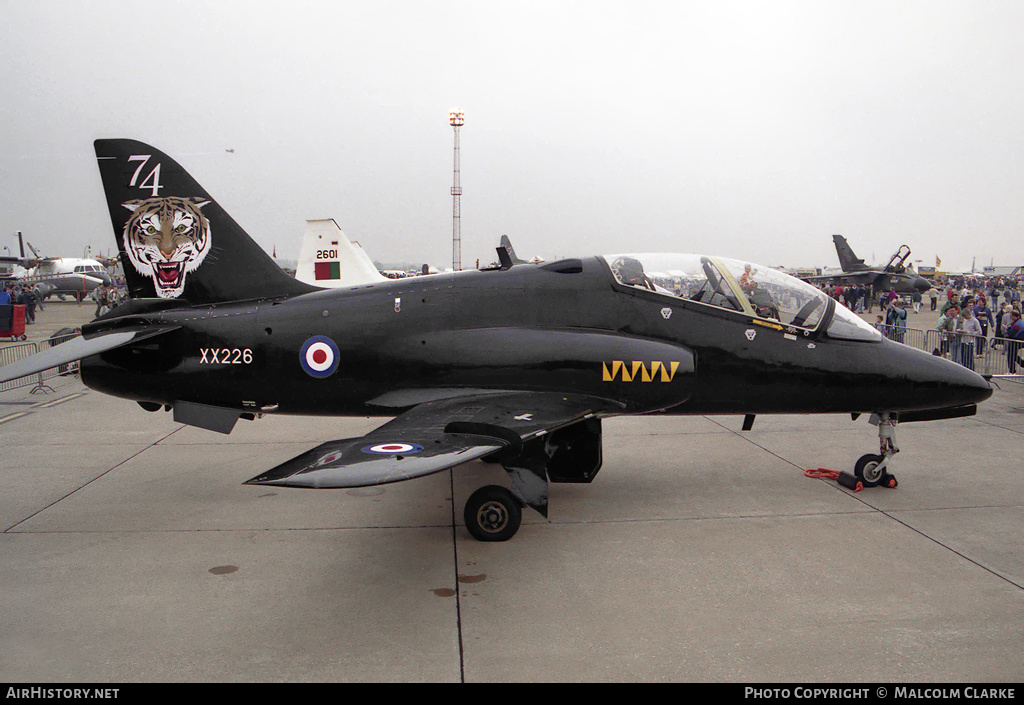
(456, 118)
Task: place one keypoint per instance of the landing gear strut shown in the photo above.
(872, 469)
(569, 454)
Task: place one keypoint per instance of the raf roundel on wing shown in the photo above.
(393, 448)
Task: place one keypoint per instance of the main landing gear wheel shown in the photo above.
(493, 514)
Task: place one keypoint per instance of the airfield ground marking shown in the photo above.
(40, 405)
(55, 402)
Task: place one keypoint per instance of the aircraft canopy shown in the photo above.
(738, 286)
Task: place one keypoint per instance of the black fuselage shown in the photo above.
(568, 326)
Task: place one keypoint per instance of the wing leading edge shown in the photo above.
(431, 437)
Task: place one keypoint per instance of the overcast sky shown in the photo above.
(749, 129)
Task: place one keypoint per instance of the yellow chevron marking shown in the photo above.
(630, 370)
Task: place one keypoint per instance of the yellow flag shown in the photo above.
(938, 262)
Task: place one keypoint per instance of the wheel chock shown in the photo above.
(843, 478)
(849, 481)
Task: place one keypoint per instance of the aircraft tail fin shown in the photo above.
(847, 259)
(506, 245)
(329, 259)
(175, 240)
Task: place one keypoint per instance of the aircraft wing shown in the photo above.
(431, 437)
(75, 349)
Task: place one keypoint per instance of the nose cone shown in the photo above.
(922, 285)
(929, 382)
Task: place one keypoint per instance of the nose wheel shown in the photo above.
(870, 469)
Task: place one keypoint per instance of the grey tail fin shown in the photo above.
(847, 259)
(506, 245)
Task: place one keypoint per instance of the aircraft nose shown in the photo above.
(922, 285)
(938, 383)
(967, 385)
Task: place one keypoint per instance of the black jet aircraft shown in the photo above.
(896, 274)
(516, 365)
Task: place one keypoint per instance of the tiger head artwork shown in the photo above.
(166, 238)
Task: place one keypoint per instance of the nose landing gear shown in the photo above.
(871, 469)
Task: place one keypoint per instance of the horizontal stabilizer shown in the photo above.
(75, 349)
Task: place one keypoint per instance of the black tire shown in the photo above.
(493, 514)
(867, 470)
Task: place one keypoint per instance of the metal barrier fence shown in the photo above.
(13, 353)
(908, 336)
(984, 355)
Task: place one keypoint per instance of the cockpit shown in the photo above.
(759, 292)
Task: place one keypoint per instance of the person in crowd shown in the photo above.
(983, 314)
(1014, 341)
(951, 301)
(27, 299)
(947, 329)
(1002, 323)
(968, 331)
(100, 295)
(31, 301)
(896, 318)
